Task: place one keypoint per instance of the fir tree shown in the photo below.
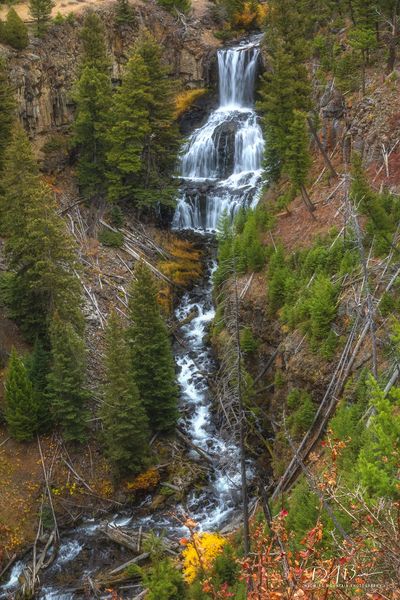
(67, 379)
(20, 408)
(7, 106)
(297, 156)
(94, 44)
(38, 368)
(378, 460)
(174, 6)
(92, 97)
(125, 422)
(152, 359)
(124, 13)
(163, 139)
(15, 31)
(40, 11)
(129, 130)
(39, 250)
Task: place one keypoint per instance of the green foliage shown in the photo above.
(298, 156)
(92, 98)
(126, 432)
(113, 239)
(39, 250)
(38, 367)
(377, 464)
(94, 44)
(382, 209)
(248, 342)
(164, 581)
(15, 32)
(240, 245)
(152, 359)
(67, 379)
(303, 510)
(40, 11)
(124, 13)
(130, 130)
(7, 106)
(173, 6)
(302, 412)
(20, 401)
(143, 138)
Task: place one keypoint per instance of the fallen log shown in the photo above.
(193, 446)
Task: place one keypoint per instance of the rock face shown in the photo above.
(44, 74)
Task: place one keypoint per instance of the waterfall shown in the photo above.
(221, 163)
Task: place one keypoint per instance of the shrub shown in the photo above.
(173, 6)
(248, 342)
(113, 239)
(184, 100)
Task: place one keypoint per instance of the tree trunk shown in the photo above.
(307, 201)
(392, 49)
(322, 149)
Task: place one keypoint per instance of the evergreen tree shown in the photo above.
(297, 156)
(15, 31)
(67, 379)
(124, 13)
(94, 44)
(92, 97)
(163, 139)
(7, 106)
(20, 408)
(129, 130)
(378, 459)
(173, 6)
(125, 422)
(38, 368)
(40, 11)
(39, 250)
(152, 359)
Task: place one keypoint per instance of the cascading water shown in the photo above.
(221, 163)
(221, 171)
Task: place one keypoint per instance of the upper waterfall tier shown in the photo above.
(221, 163)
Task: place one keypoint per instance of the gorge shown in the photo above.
(221, 170)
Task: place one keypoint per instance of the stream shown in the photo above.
(221, 170)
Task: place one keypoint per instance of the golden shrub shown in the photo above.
(184, 100)
(200, 553)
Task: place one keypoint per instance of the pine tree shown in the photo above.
(124, 418)
(38, 368)
(20, 408)
(378, 459)
(129, 130)
(39, 250)
(298, 157)
(15, 31)
(163, 140)
(152, 359)
(67, 379)
(94, 44)
(92, 97)
(174, 6)
(40, 11)
(7, 115)
(124, 13)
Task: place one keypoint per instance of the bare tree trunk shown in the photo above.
(242, 421)
(307, 201)
(324, 153)
(392, 49)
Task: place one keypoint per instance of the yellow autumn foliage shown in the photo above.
(252, 14)
(183, 267)
(184, 100)
(200, 553)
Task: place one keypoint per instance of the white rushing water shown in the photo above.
(221, 163)
(221, 171)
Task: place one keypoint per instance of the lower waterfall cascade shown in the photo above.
(221, 168)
